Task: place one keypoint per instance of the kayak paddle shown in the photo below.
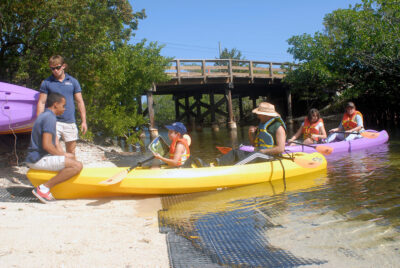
(121, 175)
(365, 134)
(224, 150)
(323, 149)
(305, 163)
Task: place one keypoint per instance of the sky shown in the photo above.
(259, 29)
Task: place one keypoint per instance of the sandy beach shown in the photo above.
(117, 232)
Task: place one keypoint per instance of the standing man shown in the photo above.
(66, 85)
(45, 152)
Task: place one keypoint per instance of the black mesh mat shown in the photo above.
(17, 194)
(183, 254)
(231, 237)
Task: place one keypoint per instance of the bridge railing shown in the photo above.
(228, 68)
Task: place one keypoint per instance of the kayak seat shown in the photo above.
(200, 162)
(195, 162)
(255, 158)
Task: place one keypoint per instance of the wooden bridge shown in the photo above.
(232, 78)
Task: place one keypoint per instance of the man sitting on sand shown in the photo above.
(45, 151)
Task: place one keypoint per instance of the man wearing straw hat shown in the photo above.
(270, 135)
(268, 138)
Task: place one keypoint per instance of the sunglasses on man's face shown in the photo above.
(56, 68)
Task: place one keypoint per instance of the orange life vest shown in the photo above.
(349, 122)
(172, 149)
(309, 129)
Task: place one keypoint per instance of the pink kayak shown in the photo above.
(17, 108)
(376, 139)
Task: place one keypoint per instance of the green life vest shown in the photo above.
(266, 133)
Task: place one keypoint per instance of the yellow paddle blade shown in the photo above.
(369, 135)
(116, 178)
(306, 163)
(324, 149)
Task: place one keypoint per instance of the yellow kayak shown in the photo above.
(177, 181)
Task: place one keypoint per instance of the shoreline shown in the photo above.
(101, 232)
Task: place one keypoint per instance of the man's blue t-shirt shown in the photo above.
(46, 122)
(68, 88)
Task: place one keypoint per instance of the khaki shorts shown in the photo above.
(49, 162)
(67, 131)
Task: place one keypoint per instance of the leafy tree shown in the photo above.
(93, 37)
(124, 75)
(164, 109)
(234, 54)
(231, 54)
(356, 56)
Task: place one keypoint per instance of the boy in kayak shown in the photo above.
(45, 151)
(268, 138)
(351, 125)
(179, 150)
(312, 128)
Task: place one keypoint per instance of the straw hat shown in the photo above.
(266, 108)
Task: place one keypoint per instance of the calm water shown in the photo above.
(348, 216)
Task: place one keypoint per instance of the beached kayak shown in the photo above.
(376, 139)
(177, 181)
(17, 108)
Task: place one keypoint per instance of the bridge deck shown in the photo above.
(231, 78)
(224, 71)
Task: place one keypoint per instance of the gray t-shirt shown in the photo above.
(46, 122)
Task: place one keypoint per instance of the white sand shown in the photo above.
(117, 232)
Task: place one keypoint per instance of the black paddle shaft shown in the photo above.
(141, 163)
(303, 144)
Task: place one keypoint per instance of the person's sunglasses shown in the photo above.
(56, 68)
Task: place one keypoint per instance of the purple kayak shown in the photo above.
(17, 108)
(376, 139)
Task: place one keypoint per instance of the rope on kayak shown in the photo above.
(291, 157)
(283, 171)
(3, 108)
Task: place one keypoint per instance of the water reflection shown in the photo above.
(229, 225)
(348, 217)
(366, 183)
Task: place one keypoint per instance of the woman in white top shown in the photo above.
(312, 128)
